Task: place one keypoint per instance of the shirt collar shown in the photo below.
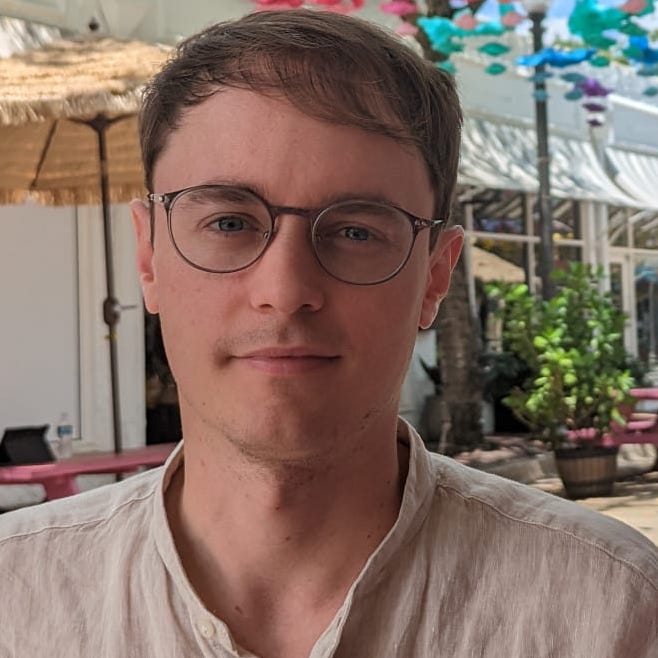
(416, 501)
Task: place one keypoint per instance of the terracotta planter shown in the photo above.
(587, 472)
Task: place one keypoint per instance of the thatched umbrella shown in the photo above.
(488, 267)
(68, 136)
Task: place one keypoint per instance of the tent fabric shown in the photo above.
(636, 173)
(503, 155)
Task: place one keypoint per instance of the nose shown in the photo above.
(287, 278)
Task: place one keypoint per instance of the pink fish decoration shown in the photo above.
(466, 22)
(634, 6)
(399, 7)
(405, 29)
(512, 19)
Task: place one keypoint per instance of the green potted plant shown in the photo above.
(579, 379)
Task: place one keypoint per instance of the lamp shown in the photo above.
(537, 13)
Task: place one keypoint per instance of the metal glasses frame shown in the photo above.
(312, 214)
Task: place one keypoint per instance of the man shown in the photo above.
(300, 168)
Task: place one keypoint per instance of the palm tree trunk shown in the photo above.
(459, 343)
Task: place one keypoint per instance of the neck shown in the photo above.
(294, 505)
(313, 522)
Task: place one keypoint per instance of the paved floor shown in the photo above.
(635, 501)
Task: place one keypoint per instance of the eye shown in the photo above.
(229, 224)
(356, 233)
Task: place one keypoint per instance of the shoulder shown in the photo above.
(80, 559)
(90, 512)
(514, 513)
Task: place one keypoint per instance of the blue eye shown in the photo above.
(230, 224)
(356, 233)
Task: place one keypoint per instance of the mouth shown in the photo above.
(288, 360)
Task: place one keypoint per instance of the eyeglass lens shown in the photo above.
(225, 229)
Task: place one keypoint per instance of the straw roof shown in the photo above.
(488, 267)
(76, 79)
(44, 151)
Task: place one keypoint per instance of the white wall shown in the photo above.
(53, 341)
(39, 363)
(96, 408)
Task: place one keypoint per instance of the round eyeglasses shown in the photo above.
(224, 228)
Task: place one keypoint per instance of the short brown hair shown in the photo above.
(331, 67)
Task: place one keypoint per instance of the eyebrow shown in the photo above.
(323, 202)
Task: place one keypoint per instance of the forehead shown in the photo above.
(245, 137)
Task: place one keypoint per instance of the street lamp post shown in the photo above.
(537, 12)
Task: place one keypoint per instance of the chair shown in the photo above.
(640, 427)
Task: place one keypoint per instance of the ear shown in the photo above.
(141, 216)
(443, 259)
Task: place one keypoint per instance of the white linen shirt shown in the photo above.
(475, 566)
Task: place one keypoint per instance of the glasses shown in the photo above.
(223, 228)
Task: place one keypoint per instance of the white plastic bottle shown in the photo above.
(64, 437)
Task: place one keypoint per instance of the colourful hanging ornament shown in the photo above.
(494, 49)
(600, 61)
(557, 58)
(340, 6)
(405, 29)
(573, 77)
(447, 66)
(465, 20)
(541, 76)
(593, 88)
(278, 4)
(595, 22)
(634, 7)
(495, 69)
(639, 50)
(573, 95)
(399, 7)
(441, 33)
(511, 19)
(648, 71)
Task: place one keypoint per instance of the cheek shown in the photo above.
(189, 316)
(387, 324)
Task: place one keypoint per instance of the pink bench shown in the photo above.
(59, 478)
(640, 427)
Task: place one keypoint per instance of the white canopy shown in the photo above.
(636, 173)
(502, 155)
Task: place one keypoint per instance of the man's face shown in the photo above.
(281, 358)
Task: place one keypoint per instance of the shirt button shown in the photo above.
(206, 629)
